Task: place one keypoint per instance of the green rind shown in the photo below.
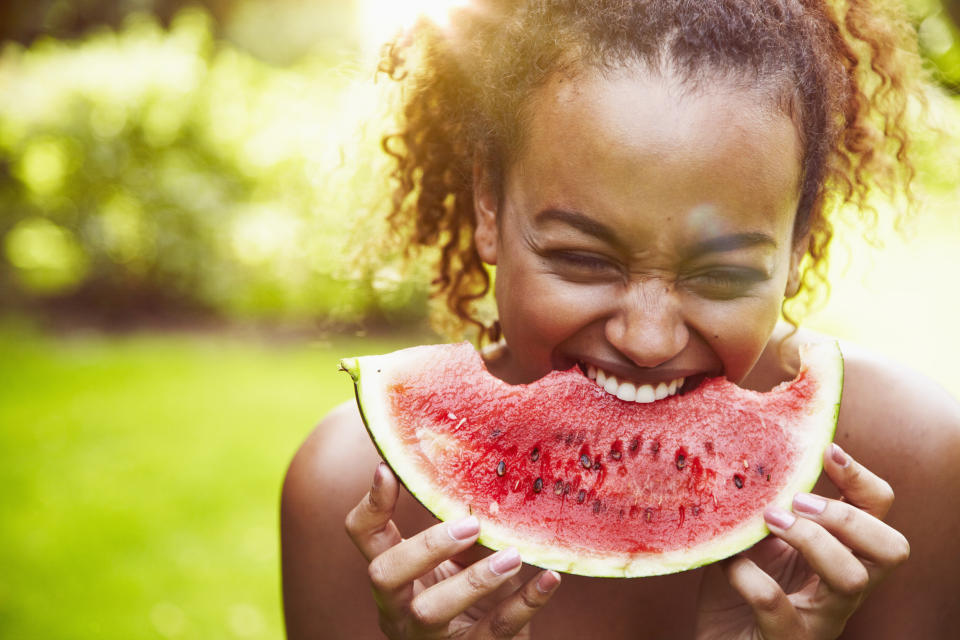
(823, 359)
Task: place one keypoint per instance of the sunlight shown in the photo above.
(381, 20)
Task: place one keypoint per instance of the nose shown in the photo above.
(648, 325)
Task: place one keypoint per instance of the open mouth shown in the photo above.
(632, 391)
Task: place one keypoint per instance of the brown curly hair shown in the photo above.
(844, 72)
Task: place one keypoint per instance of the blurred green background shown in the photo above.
(186, 193)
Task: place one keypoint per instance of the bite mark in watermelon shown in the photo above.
(583, 482)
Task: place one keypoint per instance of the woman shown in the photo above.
(651, 180)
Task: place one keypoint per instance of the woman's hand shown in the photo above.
(421, 592)
(806, 580)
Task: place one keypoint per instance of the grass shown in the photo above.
(140, 479)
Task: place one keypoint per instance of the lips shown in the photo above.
(633, 391)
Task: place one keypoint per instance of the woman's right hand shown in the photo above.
(421, 592)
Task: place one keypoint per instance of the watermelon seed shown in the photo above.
(558, 487)
(581, 496)
(538, 485)
(615, 454)
(695, 510)
(768, 477)
(585, 461)
(760, 470)
(655, 447)
(569, 439)
(738, 480)
(496, 433)
(535, 454)
(681, 461)
(648, 514)
(501, 468)
(566, 488)
(596, 506)
(516, 485)
(596, 465)
(634, 444)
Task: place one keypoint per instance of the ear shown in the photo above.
(486, 204)
(796, 258)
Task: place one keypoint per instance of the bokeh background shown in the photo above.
(187, 192)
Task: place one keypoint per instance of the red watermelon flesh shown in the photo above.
(583, 482)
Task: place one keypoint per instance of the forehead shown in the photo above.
(615, 142)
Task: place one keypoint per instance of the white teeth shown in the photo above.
(626, 391)
(630, 391)
(611, 385)
(645, 394)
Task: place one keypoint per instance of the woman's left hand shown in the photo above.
(806, 580)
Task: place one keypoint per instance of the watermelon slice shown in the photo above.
(583, 482)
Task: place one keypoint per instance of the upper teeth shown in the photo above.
(631, 392)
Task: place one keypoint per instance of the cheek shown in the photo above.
(739, 333)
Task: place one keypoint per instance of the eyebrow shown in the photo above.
(579, 221)
(588, 225)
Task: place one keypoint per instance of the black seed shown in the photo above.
(558, 487)
(581, 496)
(596, 506)
(496, 433)
(620, 515)
(535, 454)
(738, 480)
(566, 488)
(768, 477)
(596, 465)
(655, 447)
(695, 510)
(634, 444)
(760, 470)
(681, 461)
(615, 454)
(538, 485)
(585, 461)
(569, 439)
(501, 468)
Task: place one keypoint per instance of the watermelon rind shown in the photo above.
(372, 374)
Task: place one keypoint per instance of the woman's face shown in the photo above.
(645, 230)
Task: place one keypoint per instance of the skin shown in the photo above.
(646, 228)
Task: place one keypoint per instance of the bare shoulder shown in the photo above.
(905, 428)
(897, 417)
(324, 586)
(326, 591)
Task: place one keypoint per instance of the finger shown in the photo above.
(859, 486)
(837, 567)
(865, 535)
(514, 613)
(369, 524)
(435, 607)
(775, 615)
(403, 563)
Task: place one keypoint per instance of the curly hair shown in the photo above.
(843, 71)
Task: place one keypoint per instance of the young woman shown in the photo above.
(651, 179)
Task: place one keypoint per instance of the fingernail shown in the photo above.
(837, 455)
(779, 518)
(548, 581)
(808, 503)
(378, 474)
(503, 561)
(464, 528)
